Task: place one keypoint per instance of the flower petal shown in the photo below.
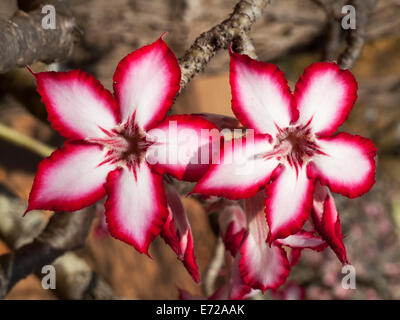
(346, 164)
(77, 104)
(146, 82)
(261, 266)
(303, 239)
(136, 207)
(233, 224)
(327, 222)
(261, 98)
(184, 146)
(70, 179)
(242, 170)
(325, 95)
(177, 233)
(294, 256)
(289, 201)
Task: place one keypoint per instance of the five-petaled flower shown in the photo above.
(110, 139)
(294, 147)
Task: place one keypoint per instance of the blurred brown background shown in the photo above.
(292, 35)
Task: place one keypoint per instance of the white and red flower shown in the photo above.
(110, 139)
(292, 147)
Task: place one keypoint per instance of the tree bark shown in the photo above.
(23, 40)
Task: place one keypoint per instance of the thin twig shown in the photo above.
(215, 265)
(74, 278)
(23, 40)
(356, 37)
(64, 232)
(19, 139)
(208, 43)
(333, 40)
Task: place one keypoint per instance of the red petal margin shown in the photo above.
(74, 81)
(273, 261)
(232, 239)
(129, 89)
(199, 145)
(300, 214)
(316, 243)
(230, 178)
(268, 76)
(60, 185)
(335, 116)
(178, 235)
(331, 174)
(261, 266)
(127, 193)
(327, 222)
(303, 240)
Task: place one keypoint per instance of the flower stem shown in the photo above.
(27, 142)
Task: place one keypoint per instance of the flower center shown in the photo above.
(294, 146)
(126, 145)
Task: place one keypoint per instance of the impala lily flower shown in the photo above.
(110, 139)
(293, 142)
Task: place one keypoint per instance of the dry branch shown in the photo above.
(74, 278)
(220, 36)
(64, 232)
(19, 139)
(23, 41)
(213, 268)
(356, 38)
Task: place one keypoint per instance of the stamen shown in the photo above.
(294, 145)
(125, 144)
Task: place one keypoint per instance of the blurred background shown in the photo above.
(291, 34)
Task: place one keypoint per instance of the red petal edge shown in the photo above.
(53, 118)
(112, 181)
